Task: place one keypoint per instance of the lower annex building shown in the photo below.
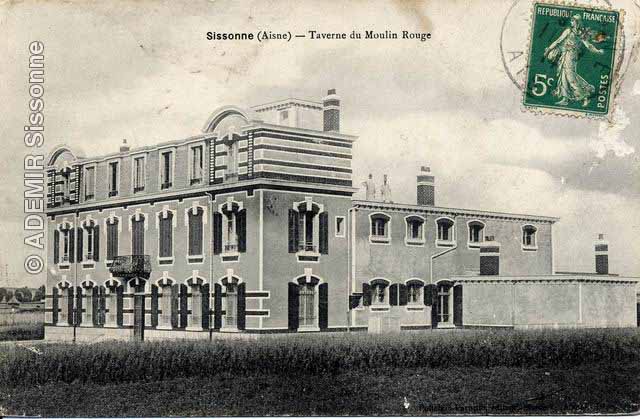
(251, 226)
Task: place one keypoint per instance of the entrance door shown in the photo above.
(138, 315)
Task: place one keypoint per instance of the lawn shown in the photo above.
(410, 374)
(21, 325)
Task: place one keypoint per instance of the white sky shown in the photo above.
(144, 71)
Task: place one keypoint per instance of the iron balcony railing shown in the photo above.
(131, 266)
(307, 247)
(231, 247)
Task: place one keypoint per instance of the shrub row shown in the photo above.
(22, 332)
(117, 362)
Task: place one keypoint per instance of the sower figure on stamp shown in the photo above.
(370, 188)
(566, 50)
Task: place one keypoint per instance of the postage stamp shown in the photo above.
(573, 55)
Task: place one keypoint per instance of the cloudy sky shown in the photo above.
(144, 71)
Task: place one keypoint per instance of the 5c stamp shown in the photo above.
(572, 62)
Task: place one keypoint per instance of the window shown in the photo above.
(66, 245)
(90, 236)
(113, 178)
(529, 237)
(165, 226)
(230, 231)
(231, 306)
(66, 187)
(138, 174)
(308, 230)
(414, 292)
(196, 164)
(306, 308)
(284, 116)
(89, 182)
(195, 232)
(232, 160)
(166, 170)
(476, 233)
(414, 230)
(380, 228)
(444, 296)
(137, 235)
(112, 239)
(340, 226)
(445, 232)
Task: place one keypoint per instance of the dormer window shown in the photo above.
(414, 234)
(446, 232)
(380, 228)
(476, 233)
(529, 241)
(308, 230)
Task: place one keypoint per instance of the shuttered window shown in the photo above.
(66, 243)
(137, 236)
(166, 235)
(112, 240)
(231, 306)
(195, 232)
(306, 307)
(89, 233)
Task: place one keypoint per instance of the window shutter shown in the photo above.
(434, 306)
(294, 303)
(217, 233)
(217, 306)
(457, 305)
(95, 306)
(294, 219)
(54, 305)
(175, 291)
(323, 306)
(137, 237)
(78, 318)
(154, 305)
(403, 297)
(206, 310)
(241, 220)
(80, 240)
(96, 243)
(56, 246)
(366, 294)
(183, 305)
(195, 233)
(393, 294)
(72, 242)
(324, 233)
(120, 305)
(70, 297)
(242, 306)
(428, 295)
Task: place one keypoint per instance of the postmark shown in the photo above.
(573, 59)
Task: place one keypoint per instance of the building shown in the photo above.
(251, 227)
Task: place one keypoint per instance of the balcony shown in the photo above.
(230, 247)
(131, 266)
(307, 247)
(113, 193)
(307, 252)
(166, 185)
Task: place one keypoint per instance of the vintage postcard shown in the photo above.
(340, 208)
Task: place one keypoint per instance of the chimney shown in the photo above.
(426, 187)
(489, 256)
(331, 111)
(124, 147)
(601, 247)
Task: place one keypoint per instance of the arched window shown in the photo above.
(308, 230)
(307, 303)
(529, 237)
(379, 292)
(476, 233)
(415, 290)
(446, 232)
(230, 230)
(380, 228)
(414, 230)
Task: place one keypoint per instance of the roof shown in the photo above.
(377, 205)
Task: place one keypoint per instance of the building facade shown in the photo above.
(251, 227)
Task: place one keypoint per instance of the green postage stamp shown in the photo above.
(573, 54)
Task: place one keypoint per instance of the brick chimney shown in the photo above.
(489, 256)
(425, 190)
(601, 247)
(124, 147)
(331, 111)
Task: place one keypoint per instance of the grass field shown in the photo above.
(594, 371)
(22, 325)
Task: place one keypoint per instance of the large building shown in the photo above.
(251, 226)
